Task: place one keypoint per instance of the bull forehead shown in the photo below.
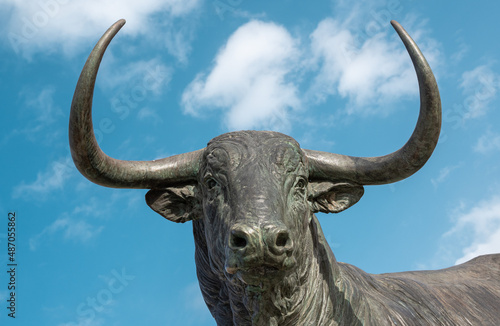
(255, 169)
(249, 154)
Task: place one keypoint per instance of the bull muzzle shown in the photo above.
(259, 251)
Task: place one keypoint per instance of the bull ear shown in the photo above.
(176, 204)
(334, 197)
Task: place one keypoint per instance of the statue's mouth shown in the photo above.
(260, 274)
(263, 272)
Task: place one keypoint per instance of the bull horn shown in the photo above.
(91, 160)
(409, 158)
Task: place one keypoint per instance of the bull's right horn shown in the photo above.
(102, 169)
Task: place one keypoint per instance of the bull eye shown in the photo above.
(211, 183)
(301, 184)
(300, 189)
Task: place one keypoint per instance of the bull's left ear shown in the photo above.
(176, 204)
(334, 197)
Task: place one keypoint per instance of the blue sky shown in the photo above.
(332, 74)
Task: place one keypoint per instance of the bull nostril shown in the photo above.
(239, 242)
(282, 239)
(238, 239)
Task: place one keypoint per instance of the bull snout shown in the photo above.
(259, 253)
(252, 246)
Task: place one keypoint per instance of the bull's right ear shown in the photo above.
(334, 197)
(176, 204)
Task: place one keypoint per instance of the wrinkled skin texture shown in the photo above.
(262, 259)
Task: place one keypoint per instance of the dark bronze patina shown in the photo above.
(261, 256)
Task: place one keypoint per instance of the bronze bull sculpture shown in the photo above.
(261, 256)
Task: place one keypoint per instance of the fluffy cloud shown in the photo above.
(151, 114)
(487, 143)
(51, 25)
(444, 173)
(368, 71)
(43, 105)
(478, 229)
(258, 76)
(54, 178)
(133, 85)
(479, 86)
(144, 76)
(72, 229)
(42, 114)
(249, 79)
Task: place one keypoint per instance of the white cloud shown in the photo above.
(72, 229)
(477, 229)
(480, 87)
(41, 114)
(53, 25)
(46, 111)
(258, 76)
(79, 230)
(145, 76)
(487, 143)
(443, 175)
(177, 37)
(369, 73)
(249, 79)
(134, 84)
(54, 178)
(76, 226)
(148, 113)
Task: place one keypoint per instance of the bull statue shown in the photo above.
(261, 256)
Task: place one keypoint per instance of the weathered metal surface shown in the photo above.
(261, 256)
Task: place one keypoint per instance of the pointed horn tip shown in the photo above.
(117, 25)
(396, 25)
(120, 22)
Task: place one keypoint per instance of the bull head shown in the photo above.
(254, 191)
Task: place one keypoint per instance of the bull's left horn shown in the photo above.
(91, 160)
(405, 161)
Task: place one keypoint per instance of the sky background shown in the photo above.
(332, 74)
